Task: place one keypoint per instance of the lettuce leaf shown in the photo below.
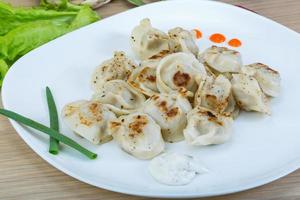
(14, 17)
(54, 4)
(3, 70)
(59, 5)
(28, 36)
(25, 29)
(84, 17)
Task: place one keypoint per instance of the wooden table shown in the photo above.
(24, 175)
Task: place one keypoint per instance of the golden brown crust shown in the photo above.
(211, 116)
(181, 79)
(160, 54)
(69, 110)
(172, 112)
(169, 112)
(136, 127)
(85, 121)
(261, 65)
(114, 126)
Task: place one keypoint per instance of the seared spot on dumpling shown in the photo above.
(155, 97)
(215, 93)
(143, 79)
(136, 127)
(151, 78)
(172, 112)
(69, 110)
(161, 54)
(181, 79)
(114, 124)
(85, 121)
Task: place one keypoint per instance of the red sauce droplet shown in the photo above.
(235, 42)
(217, 38)
(198, 33)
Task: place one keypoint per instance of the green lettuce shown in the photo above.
(25, 29)
(59, 5)
(28, 36)
(84, 17)
(11, 18)
(3, 70)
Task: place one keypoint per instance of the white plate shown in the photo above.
(263, 148)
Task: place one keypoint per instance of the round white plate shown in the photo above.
(262, 149)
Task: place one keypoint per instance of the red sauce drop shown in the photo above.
(234, 42)
(198, 33)
(217, 38)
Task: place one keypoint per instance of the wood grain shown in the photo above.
(24, 175)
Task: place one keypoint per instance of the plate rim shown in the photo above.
(276, 174)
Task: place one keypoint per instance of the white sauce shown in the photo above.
(175, 169)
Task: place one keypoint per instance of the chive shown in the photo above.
(51, 132)
(136, 2)
(54, 124)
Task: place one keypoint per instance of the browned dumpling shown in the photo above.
(248, 94)
(138, 134)
(182, 40)
(206, 127)
(268, 79)
(222, 59)
(215, 93)
(88, 119)
(117, 68)
(169, 111)
(120, 97)
(179, 70)
(148, 42)
(143, 79)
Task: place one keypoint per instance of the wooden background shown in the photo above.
(24, 175)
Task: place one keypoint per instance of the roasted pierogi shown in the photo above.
(268, 79)
(118, 67)
(152, 100)
(222, 59)
(143, 79)
(88, 119)
(215, 93)
(182, 40)
(148, 42)
(169, 111)
(120, 97)
(138, 134)
(248, 94)
(179, 70)
(206, 127)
